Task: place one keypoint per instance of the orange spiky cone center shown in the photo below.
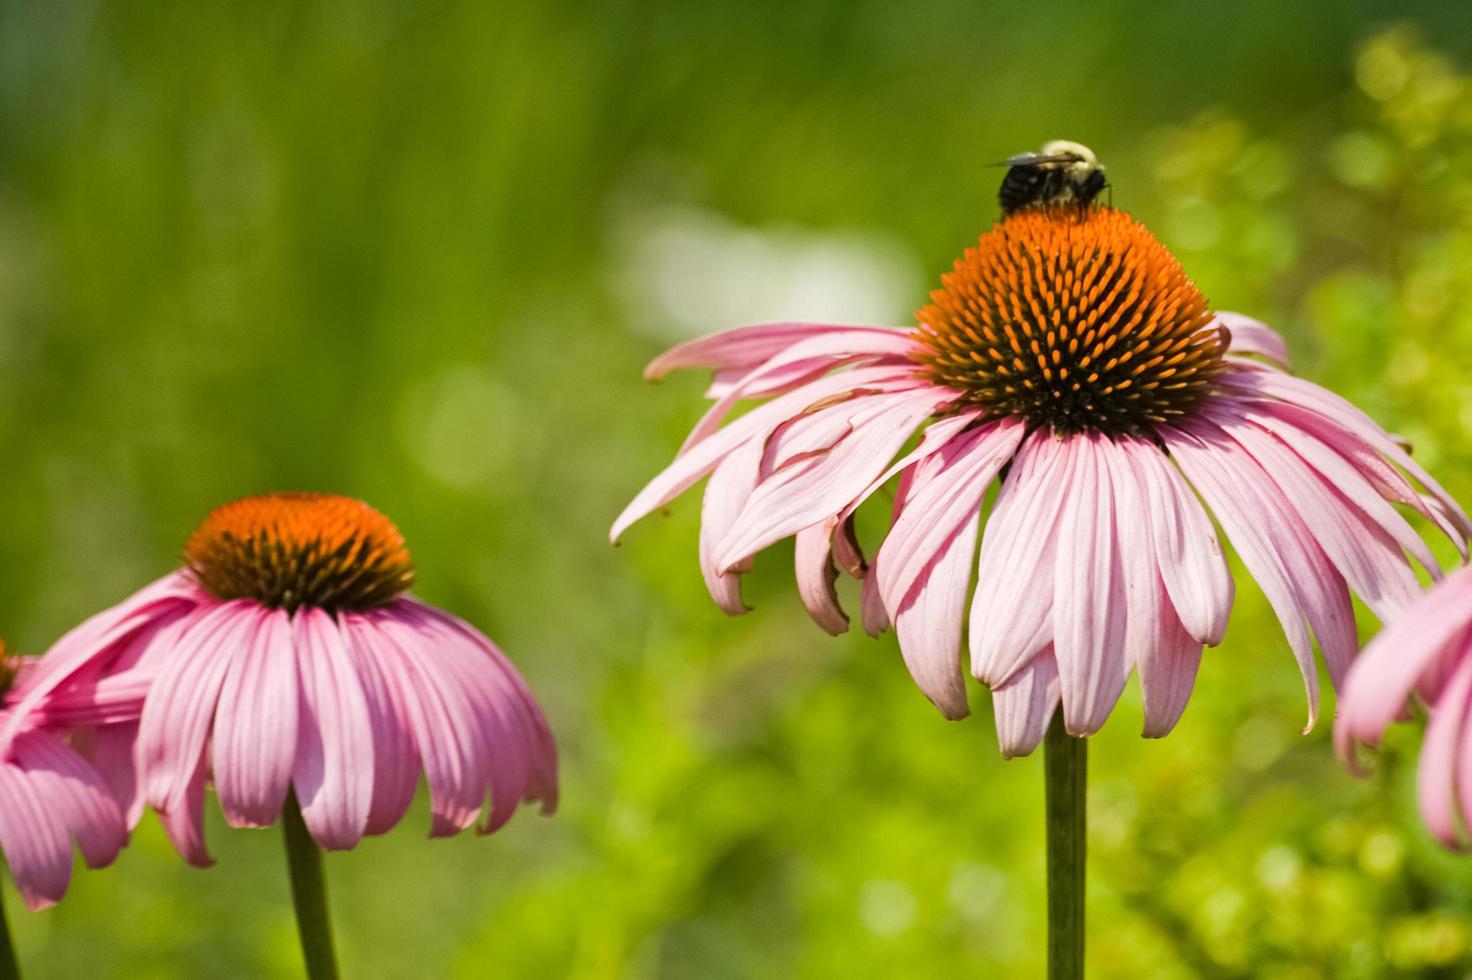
(287, 550)
(1074, 318)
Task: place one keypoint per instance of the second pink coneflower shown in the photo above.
(292, 671)
(1068, 354)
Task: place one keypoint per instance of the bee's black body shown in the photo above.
(1051, 177)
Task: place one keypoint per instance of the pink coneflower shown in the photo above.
(288, 659)
(1425, 652)
(50, 795)
(1069, 354)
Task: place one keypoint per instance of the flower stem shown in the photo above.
(1065, 765)
(9, 967)
(308, 894)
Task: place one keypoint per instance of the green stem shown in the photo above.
(308, 894)
(9, 967)
(1065, 764)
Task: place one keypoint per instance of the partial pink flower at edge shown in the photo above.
(50, 795)
(1424, 656)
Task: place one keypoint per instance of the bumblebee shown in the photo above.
(1064, 171)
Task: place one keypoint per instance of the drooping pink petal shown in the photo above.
(110, 700)
(691, 466)
(1139, 572)
(1406, 649)
(1025, 703)
(1088, 595)
(35, 841)
(332, 773)
(255, 733)
(1167, 672)
(1436, 789)
(746, 347)
(816, 575)
(1187, 553)
(947, 493)
(1369, 493)
(1369, 559)
(169, 596)
(814, 489)
(518, 700)
(112, 754)
(1278, 551)
(1249, 336)
(1012, 609)
(936, 436)
(725, 494)
(183, 818)
(1324, 402)
(446, 731)
(871, 607)
(180, 709)
(928, 623)
(396, 765)
(510, 738)
(804, 362)
(72, 792)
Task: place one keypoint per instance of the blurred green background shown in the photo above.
(419, 253)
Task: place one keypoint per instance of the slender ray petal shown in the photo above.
(1025, 704)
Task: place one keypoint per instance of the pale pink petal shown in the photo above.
(689, 467)
(874, 615)
(72, 792)
(167, 597)
(1369, 559)
(814, 489)
(34, 840)
(1140, 575)
(1011, 612)
(1436, 775)
(332, 774)
(1347, 476)
(1252, 337)
(1324, 402)
(846, 552)
(255, 730)
(113, 699)
(396, 765)
(510, 737)
(725, 494)
(928, 623)
(1187, 552)
(1024, 705)
(871, 607)
(1405, 650)
(728, 381)
(444, 728)
(515, 702)
(112, 753)
(180, 709)
(1167, 672)
(1088, 595)
(746, 347)
(946, 494)
(936, 436)
(183, 819)
(816, 576)
(1276, 548)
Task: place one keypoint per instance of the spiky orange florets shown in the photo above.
(1074, 318)
(300, 549)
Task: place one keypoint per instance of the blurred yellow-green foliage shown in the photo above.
(419, 253)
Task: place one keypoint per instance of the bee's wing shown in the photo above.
(1036, 159)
